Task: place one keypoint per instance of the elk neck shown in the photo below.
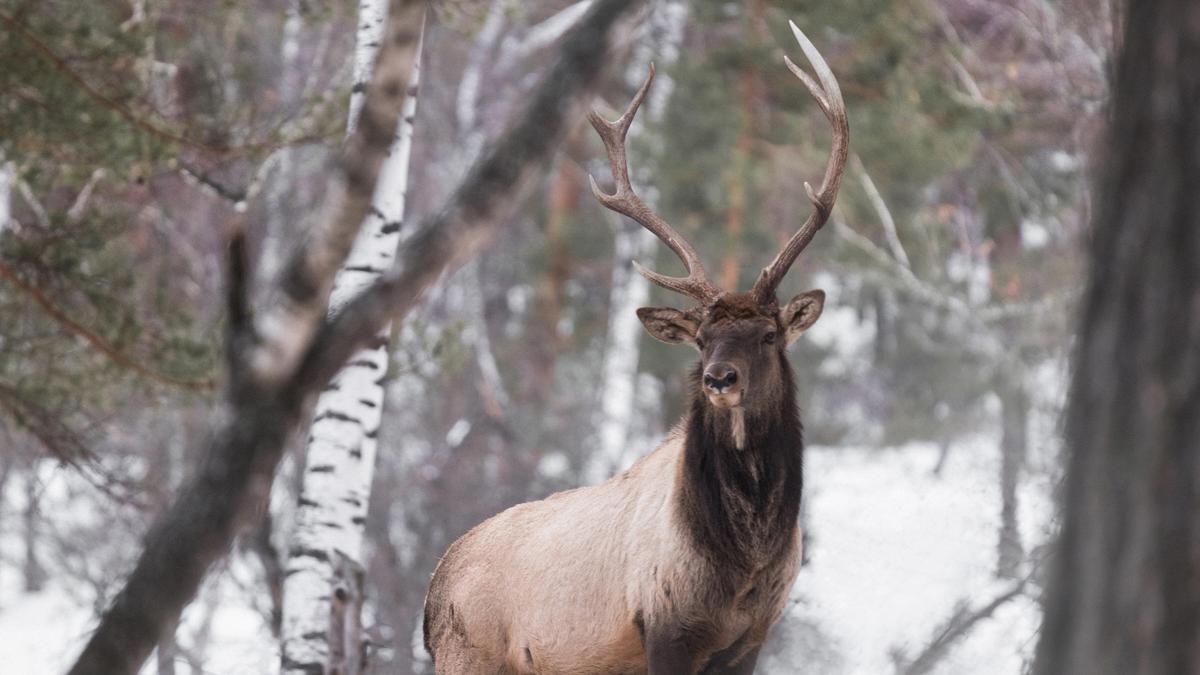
(740, 506)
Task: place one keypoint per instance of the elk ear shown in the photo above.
(669, 325)
(800, 313)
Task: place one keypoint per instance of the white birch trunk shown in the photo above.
(631, 290)
(372, 20)
(341, 445)
(8, 177)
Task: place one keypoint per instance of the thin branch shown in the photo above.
(958, 626)
(75, 213)
(545, 33)
(235, 475)
(66, 446)
(881, 209)
(211, 185)
(95, 340)
(489, 195)
(39, 211)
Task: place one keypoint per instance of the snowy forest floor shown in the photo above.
(895, 550)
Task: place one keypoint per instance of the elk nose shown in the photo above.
(720, 376)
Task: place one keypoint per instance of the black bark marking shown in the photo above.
(307, 667)
(365, 269)
(305, 552)
(336, 415)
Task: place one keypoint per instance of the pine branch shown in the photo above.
(304, 350)
(101, 345)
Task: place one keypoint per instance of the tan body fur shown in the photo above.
(682, 563)
(565, 584)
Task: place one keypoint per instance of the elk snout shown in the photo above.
(721, 378)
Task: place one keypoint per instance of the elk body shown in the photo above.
(681, 563)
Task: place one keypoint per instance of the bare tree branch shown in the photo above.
(308, 278)
(489, 195)
(882, 210)
(958, 626)
(262, 409)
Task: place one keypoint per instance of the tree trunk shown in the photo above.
(164, 657)
(275, 362)
(8, 177)
(1014, 415)
(1124, 596)
(739, 179)
(561, 201)
(631, 290)
(33, 574)
(342, 441)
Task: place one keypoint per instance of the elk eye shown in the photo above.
(769, 338)
(699, 344)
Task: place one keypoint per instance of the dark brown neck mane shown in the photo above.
(741, 506)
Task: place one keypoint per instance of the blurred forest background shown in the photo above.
(135, 135)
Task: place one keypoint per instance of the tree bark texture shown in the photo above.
(278, 359)
(1124, 592)
(342, 440)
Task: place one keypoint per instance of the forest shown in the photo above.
(294, 294)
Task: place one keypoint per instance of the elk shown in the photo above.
(681, 563)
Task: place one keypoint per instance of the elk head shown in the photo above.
(741, 337)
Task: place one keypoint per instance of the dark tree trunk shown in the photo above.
(1014, 414)
(259, 543)
(167, 650)
(1124, 592)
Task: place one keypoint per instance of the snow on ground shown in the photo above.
(42, 633)
(894, 549)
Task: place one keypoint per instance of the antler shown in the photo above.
(696, 285)
(829, 98)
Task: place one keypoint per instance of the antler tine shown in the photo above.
(829, 98)
(624, 201)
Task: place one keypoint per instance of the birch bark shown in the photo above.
(631, 290)
(341, 445)
(8, 178)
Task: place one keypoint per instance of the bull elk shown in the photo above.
(681, 563)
